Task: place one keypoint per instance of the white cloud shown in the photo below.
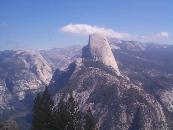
(85, 29)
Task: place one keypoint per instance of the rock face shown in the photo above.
(149, 65)
(152, 65)
(117, 101)
(142, 98)
(22, 72)
(98, 49)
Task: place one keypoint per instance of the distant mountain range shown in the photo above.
(141, 97)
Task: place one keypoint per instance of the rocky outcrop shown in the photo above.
(117, 103)
(141, 97)
(5, 95)
(22, 72)
(151, 64)
(98, 49)
(139, 100)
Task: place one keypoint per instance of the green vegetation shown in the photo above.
(90, 123)
(9, 125)
(65, 116)
(42, 112)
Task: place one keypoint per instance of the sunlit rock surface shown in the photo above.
(98, 49)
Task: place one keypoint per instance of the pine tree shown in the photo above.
(74, 122)
(37, 123)
(136, 124)
(42, 112)
(60, 116)
(89, 121)
(47, 106)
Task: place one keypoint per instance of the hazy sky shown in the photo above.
(43, 24)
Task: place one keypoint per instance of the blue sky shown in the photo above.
(40, 24)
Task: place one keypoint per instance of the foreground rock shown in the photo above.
(117, 102)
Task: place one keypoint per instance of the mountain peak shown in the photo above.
(98, 49)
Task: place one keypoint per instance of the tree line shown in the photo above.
(65, 116)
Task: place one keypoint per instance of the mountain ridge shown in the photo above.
(116, 101)
(148, 66)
